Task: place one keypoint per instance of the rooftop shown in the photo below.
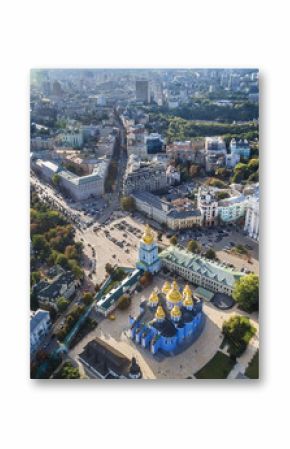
(201, 265)
(37, 317)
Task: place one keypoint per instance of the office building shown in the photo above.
(142, 91)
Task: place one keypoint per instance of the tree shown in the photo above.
(62, 260)
(109, 269)
(71, 252)
(68, 372)
(62, 303)
(146, 279)
(238, 332)
(193, 170)
(128, 203)
(33, 300)
(214, 182)
(222, 172)
(246, 292)
(124, 302)
(76, 269)
(173, 240)
(87, 298)
(40, 244)
(35, 277)
(222, 195)
(210, 254)
(193, 246)
(55, 180)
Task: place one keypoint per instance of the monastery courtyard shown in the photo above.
(180, 366)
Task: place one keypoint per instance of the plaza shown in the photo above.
(182, 365)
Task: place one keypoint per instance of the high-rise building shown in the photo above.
(252, 217)
(142, 91)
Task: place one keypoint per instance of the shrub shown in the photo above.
(124, 302)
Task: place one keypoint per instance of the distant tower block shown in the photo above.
(148, 259)
(142, 90)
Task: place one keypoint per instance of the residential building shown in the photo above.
(144, 176)
(73, 138)
(232, 209)
(162, 212)
(240, 148)
(207, 202)
(215, 145)
(252, 218)
(185, 150)
(40, 325)
(46, 169)
(232, 160)
(215, 153)
(41, 143)
(62, 283)
(209, 274)
(84, 187)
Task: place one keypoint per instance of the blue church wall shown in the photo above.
(168, 343)
(180, 333)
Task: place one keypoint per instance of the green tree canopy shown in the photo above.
(128, 203)
(62, 303)
(173, 240)
(238, 332)
(246, 292)
(210, 254)
(87, 298)
(193, 246)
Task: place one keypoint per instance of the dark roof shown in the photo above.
(165, 327)
(52, 290)
(184, 213)
(103, 357)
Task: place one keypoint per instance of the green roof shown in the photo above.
(198, 264)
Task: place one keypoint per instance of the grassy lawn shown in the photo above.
(217, 368)
(253, 369)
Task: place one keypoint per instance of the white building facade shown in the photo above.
(40, 325)
(252, 219)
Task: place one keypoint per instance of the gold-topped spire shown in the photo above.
(160, 314)
(153, 298)
(188, 301)
(174, 296)
(148, 236)
(175, 312)
(166, 287)
(187, 290)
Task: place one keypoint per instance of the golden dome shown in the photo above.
(175, 312)
(188, 301)
(166, 287)
(148, 236)
(187, 290)
(159, 313)
(174, 294)
(153, 298)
